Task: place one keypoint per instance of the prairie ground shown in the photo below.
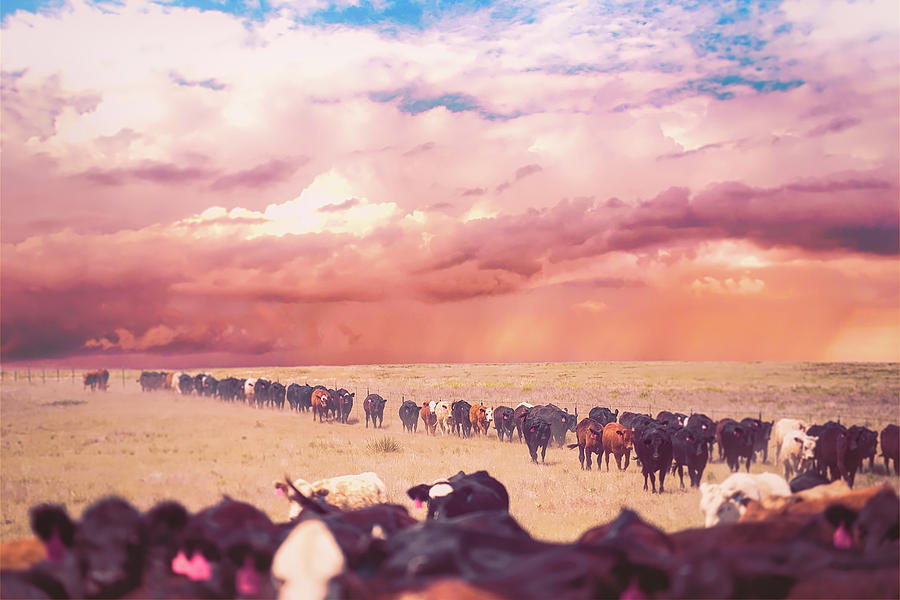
(60, 443)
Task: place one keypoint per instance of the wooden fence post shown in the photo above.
(29, 374)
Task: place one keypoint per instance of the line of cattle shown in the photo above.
(671, 441)
(350, 543)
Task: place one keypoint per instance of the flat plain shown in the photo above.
(61, 443)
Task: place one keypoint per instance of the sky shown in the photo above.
(252, 183)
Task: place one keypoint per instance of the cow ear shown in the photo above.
(798, 440)
(620, 433)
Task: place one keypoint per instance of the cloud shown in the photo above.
(592, 306)
(744, 285)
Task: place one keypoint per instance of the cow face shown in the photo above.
(109, 545)
(461, 494)
(655, 443)
(627, 438)
(719, 505)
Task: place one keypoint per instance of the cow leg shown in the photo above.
(680, 475)
(645, 481)
(581, 458)
(653, 480)
(662, 479)
(544, 451)
(748, 463)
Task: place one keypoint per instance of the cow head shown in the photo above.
(626, 436)
(109, 545)
(719, 505)
(461, 494)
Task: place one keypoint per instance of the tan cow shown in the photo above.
(444, 417)
(797, 452)
(780, 429)
(478, 418)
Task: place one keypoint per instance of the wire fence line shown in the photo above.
(395, 395)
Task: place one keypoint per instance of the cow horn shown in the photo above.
(303, 500)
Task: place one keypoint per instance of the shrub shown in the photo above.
(384, 445)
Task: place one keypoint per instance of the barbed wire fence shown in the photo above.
(650, 403)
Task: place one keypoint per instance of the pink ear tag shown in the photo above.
(196, 569)
(418, 503)
(841, 538)
(56, 550)
(279, 491)
(247, 580)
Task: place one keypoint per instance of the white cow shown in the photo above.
(781, 429)
(721, 502)
(306, 561)
(797, 452)
(345, 491)
(444, 419)
(249, 384)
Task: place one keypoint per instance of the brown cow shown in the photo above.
(429, 418)
(619, 441)
(589, 433)
(478, 417)
(808, 502)
(322, 403)
(96, 379)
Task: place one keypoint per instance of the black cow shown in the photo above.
(703, 427)
(230, 389)
(504, 422)
(459, 412)
(672, 420)
(831, 452)
(839, 451)
(461, 494)
(227, 550)
(890, 447)
(373, 405)
(185, 383)
(653, 446)
(519, 414)
(277, 393)
(603, 415)
(762, 431)
(806, 480)
(635, 421)
(537, 431)
(869, 445)
(261, 392)
(344, 404)
(299, 397)
(152, 380)
(409, 415)
(737, 443)
(560, 421)
(689, 450)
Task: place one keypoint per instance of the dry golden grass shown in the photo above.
(63, 444)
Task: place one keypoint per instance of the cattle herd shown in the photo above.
(343, 540)
(805, 535)
(670, 443)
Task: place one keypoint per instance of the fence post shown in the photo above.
(57, 374)
(44, 375)
(123, 377)
(29, 374)
(15, 374)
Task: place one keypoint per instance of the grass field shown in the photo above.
(59, 443)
